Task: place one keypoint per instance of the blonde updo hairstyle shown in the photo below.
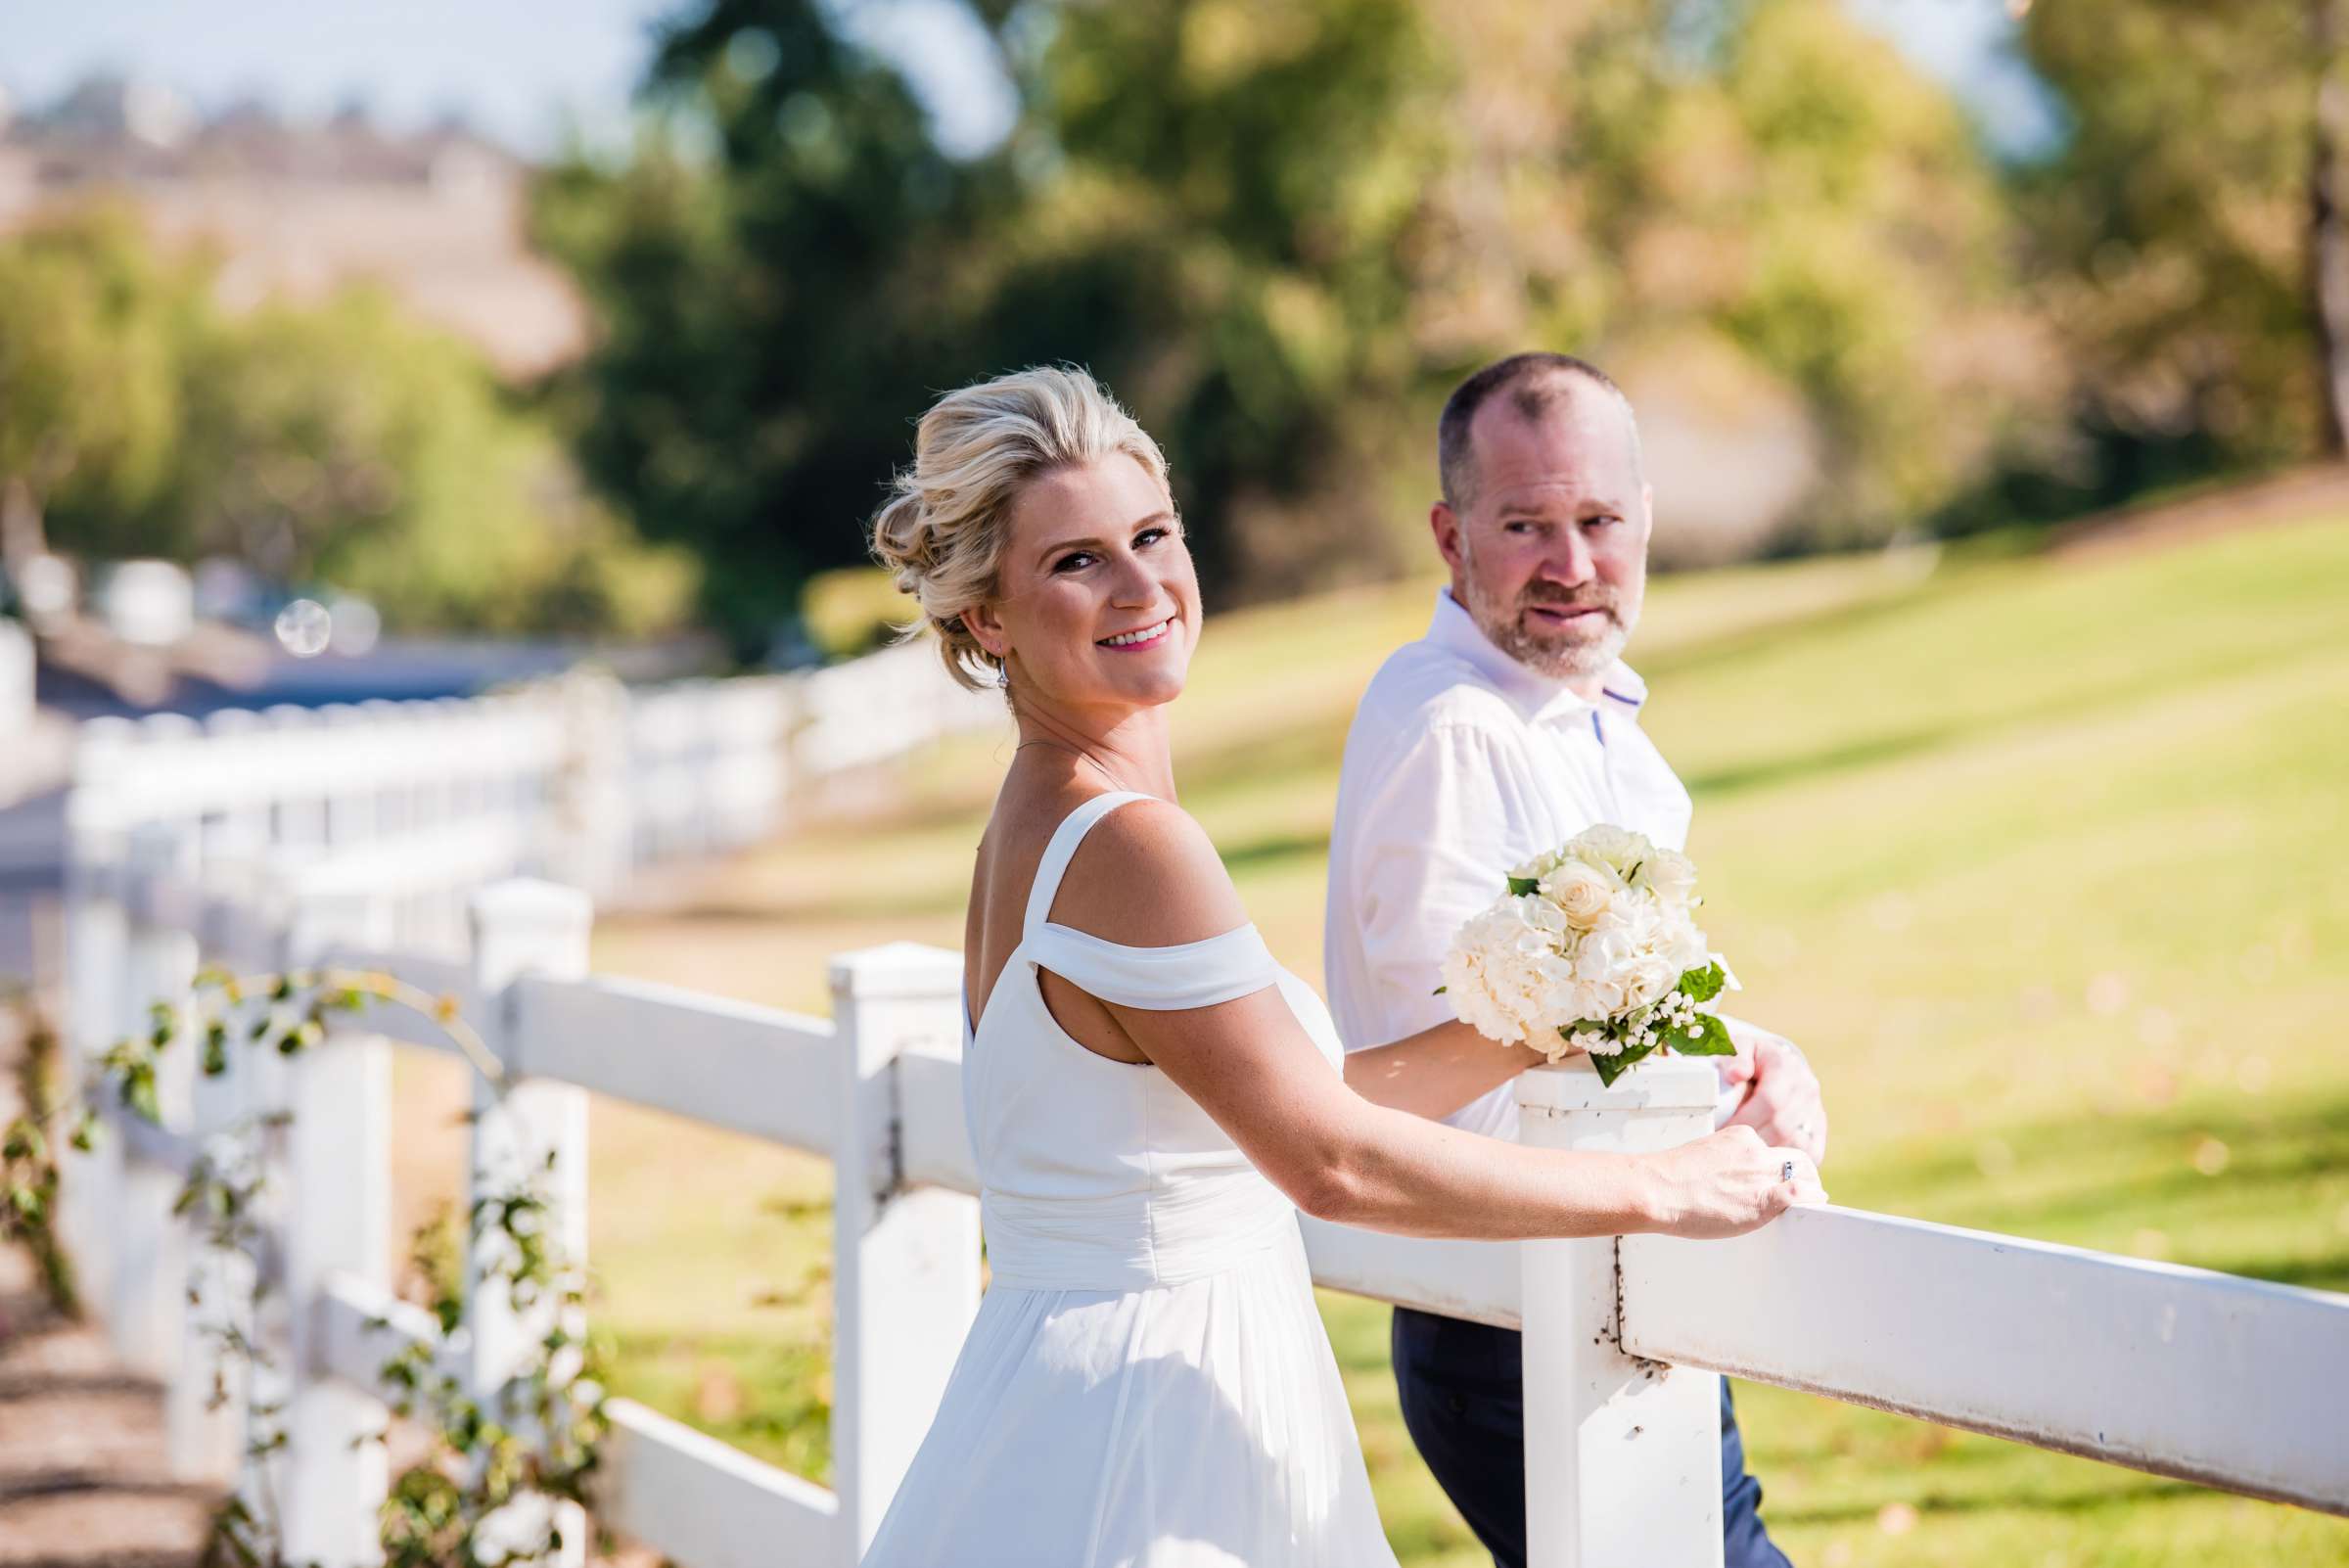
(942, 531)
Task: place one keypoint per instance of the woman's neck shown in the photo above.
(1130, 751)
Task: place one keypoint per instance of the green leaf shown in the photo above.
(1521, 886)
(1703, 985)
(1707, 1036)
(138, 1093)
(1611, 1068)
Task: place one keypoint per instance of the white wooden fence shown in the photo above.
(2224, 1381)
(576, 778)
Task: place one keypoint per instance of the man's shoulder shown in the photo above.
(1424, 686)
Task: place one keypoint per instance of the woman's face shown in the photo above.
(1096, 601)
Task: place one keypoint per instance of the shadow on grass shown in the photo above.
(2068, 1177)
(1851, 755)
(2122, 1492)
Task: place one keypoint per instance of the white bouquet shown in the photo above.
(1594, 948)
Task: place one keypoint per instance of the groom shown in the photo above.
(1508, 728)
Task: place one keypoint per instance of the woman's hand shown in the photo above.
(1727, 1183)
(1782, 1100)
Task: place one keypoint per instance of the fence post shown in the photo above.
(147, 1305)
(204, 1407)
(525, 927)
(592, 829)
(336, 1207)
(1621, 1455)
(97, 936)
(905, 1268)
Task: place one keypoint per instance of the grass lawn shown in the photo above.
(2045, 862)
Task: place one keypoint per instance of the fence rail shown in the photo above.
(2226, 1381)
(578, 777)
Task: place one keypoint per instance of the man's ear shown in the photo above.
(1647, 511)
(986, 629)
(1446, 523)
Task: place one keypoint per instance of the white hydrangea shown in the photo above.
(1601, 942)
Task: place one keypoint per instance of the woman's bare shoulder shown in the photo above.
(1148, 876)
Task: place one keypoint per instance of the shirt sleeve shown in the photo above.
(1434, 845)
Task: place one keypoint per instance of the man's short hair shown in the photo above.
(1535, 382)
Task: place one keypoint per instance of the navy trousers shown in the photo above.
(1463, 1400)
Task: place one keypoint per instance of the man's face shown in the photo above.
(1549, 554)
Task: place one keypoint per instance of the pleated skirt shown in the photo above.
(1192, 1425)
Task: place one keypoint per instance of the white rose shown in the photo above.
(1540, 867)
(1607, 845)
(1579, 892)
(1670, 875)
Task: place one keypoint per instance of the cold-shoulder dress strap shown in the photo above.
(1190, 974)
(1062, 848)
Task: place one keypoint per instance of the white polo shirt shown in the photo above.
(1463, 762)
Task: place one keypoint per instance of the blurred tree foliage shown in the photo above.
(769, 304)
(1203, 204)
(91, 321)
(2174, 234)
(1753, 204)
(340, 444)
(1279, 229)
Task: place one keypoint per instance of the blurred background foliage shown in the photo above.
(1281, 230)
(342, 442)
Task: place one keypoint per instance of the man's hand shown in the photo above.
(1782, 1100)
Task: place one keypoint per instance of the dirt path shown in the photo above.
(84, 1482)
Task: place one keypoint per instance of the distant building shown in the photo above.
(297, 211)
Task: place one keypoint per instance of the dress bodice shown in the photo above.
(1102, 1174)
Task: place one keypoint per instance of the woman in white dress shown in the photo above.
(1149, 1097)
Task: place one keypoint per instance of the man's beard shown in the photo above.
(1561, 654)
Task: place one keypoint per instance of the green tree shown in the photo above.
(1756, 201)
(346, 443)
(340, 443)
(1256, 177)
(2179, 228)
(93, 326)
(773, 307)
(1279, 230)
(1203, 202)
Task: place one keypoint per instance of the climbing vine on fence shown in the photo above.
(29, 1173)
(537, 1435)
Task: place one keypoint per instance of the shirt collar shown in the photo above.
(1541, 698)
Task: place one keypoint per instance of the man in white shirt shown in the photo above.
(1512, 726)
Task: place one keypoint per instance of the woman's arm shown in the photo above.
(1250, 1065)
(1435, 1071)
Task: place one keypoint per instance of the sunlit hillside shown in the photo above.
(2040, 858)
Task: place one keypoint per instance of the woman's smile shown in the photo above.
(1141, 637)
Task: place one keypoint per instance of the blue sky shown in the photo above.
(517, 67)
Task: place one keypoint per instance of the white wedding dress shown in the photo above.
(1147, 1384)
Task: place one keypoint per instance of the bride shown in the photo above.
(1149, 1095)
